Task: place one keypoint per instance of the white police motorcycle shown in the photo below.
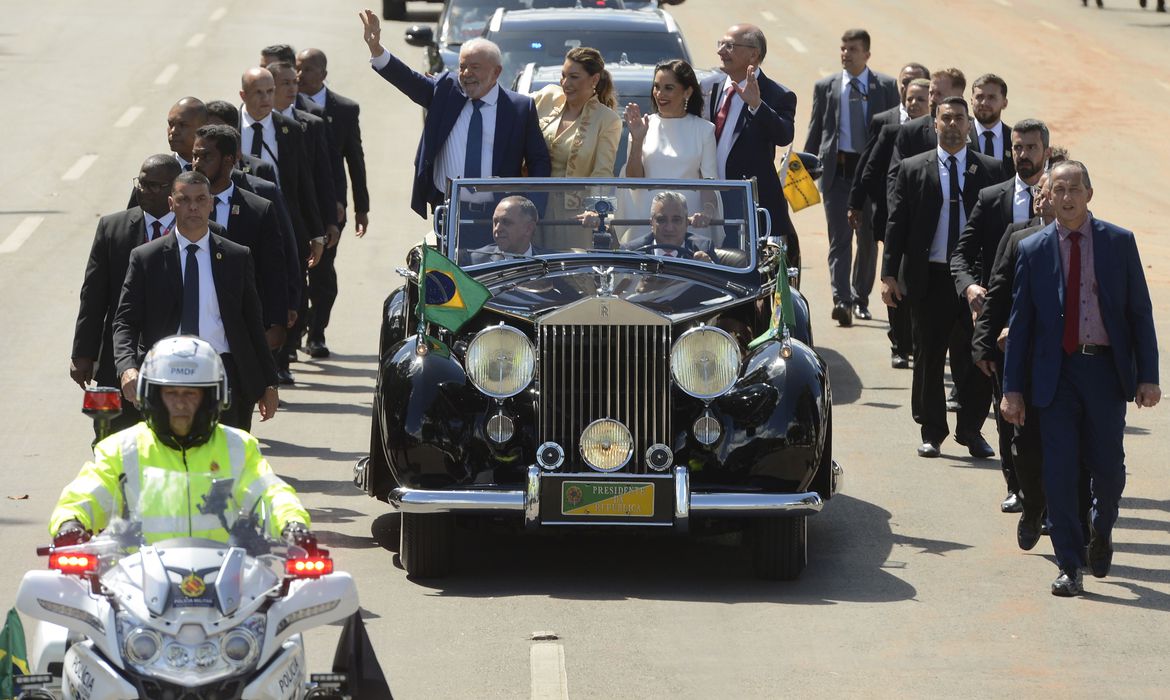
(181, 619)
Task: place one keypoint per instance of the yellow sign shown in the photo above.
(192, 586)
(799, 188)
(620, 499)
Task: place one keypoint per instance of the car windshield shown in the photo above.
(549, 49)
(694, 221)
(466, 19)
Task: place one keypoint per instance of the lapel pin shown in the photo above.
(971, 170)
(218, 255)
(235, 210)
(284, 129)
(329, 117)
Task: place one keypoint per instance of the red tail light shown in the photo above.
(73, 563)
(102, 399)
(309, 567)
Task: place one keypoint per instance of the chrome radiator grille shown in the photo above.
(587, 372)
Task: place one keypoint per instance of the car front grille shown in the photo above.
(589, 371)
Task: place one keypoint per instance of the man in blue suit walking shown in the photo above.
(1080, 346)
(473, 128)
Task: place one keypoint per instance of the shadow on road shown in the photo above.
(850, 548)
(277, 448)
(844, 380)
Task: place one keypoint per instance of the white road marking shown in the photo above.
(196, 40)
(547, 664)
(20, 234)
(166, 75)
(218, 14)
(1103, 52)
(79, 168)
(769, 16)
(1165, 85)
(796, 44)
(1004, 3)
(1049, 25)
(128, 117)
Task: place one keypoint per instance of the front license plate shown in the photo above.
(608, 499)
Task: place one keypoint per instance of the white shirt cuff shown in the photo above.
(381, 61)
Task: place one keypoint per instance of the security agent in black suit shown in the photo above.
(999, 206)
(285, 53)
(753, 115)
(223, 112)
(169, 286)
(933, 191)
(92, 358)
(869, 186)
(990, 135)
(249, 220)
(668, 227)
(918, 135)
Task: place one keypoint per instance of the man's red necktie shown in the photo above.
(157, 232)
(724, 110)
(1072, 295)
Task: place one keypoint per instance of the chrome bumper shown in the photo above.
(686, 502)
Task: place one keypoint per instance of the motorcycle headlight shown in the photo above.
(705, 362)
(142, 646)
(239, 647)
(500, 361)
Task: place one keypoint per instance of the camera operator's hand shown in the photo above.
(70, 533)
(297, 534)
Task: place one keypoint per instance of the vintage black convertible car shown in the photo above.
(611, 379)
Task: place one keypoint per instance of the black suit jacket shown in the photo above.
(93, 337)
(318, 142)
(288, 237)
(692, 243)
(306, 104)
(484, 254)
(341, 113)
(858, 193)
(252, 223)
(258, 167)
(1005, 133)
(296, 181)
(753, 154)
(975, 252)
(519, 142)
(997, 306)
(151, 306)
(915, 210)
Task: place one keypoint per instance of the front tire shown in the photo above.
(393, 9)
(427, 548)
(780, 547)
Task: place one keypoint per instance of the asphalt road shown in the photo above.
(914, 587)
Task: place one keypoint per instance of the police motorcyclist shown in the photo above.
(158, 471)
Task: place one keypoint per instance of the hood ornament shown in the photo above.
(605, 280)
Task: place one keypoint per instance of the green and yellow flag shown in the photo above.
(447, 296)
(13, 657)
(783, 315)
(799, 187)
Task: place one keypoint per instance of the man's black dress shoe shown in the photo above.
(842, 314)
(1100, 555)
(1028, 531)
(317, 349)
(285, 377)
(975, 445)
(1012, 504)
(1068, 585)
(862, 312)
(899, 361)
(928, 449)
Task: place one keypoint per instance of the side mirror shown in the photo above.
(420, 36)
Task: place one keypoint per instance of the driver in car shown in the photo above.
(158, 471)
(513, 226)
(668, 226)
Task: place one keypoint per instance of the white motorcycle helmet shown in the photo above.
(187, 361)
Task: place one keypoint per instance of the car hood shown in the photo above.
(671, 293)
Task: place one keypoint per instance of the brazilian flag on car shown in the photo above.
(13, 657)
(783, 314)
(447, 296)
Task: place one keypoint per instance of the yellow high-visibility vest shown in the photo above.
(163, 487)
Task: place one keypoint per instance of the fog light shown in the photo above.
(606, 445)
(659, 457)
(500, 428)
(550, 456)
(707, 430)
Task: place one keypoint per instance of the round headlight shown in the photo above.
(705, 362)
(142, 647)
(500, 361)
(606, 445)
(238, 646)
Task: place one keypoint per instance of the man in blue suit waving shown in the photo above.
(473, 128)
(1080, 345)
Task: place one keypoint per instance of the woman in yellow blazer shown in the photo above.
(582, 131)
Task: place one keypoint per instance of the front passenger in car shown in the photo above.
(668, 226)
